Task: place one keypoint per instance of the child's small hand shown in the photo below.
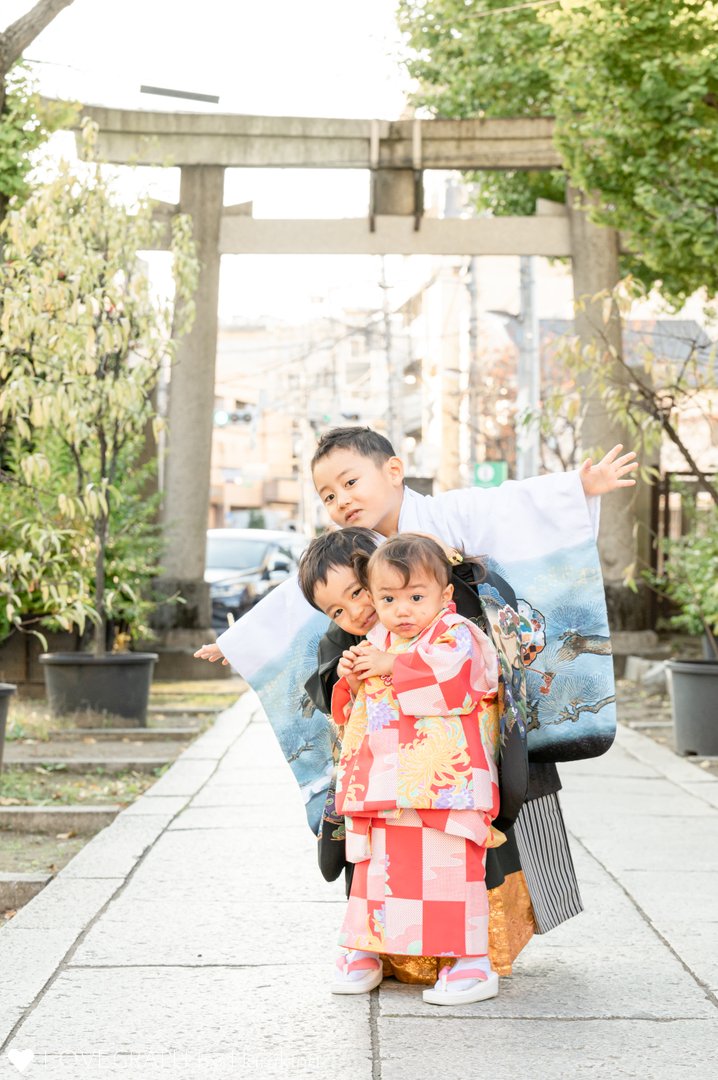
(346, 664)
(373, 662)
(345, 670)
(610, 473)
(212, 653)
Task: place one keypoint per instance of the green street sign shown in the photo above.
(490, 473)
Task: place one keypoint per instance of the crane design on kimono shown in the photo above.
(574, 644)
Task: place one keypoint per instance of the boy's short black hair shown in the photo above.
(332, 549)
(366, 442)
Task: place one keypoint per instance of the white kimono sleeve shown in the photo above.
(539, 535)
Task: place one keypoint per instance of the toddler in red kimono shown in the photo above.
(417, 779)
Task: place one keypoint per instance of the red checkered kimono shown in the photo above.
(417, 781)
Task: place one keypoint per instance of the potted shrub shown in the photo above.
(82, 344)
(6, 689)
(36, 568)
(690, 581)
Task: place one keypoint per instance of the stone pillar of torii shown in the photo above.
(396, 154)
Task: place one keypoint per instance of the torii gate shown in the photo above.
(396, 153)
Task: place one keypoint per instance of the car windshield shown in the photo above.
(226, 553)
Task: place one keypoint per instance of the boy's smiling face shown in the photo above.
(357, 491)
(344, 600)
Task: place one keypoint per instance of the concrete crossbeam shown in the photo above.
(158, 138)
(393, 234)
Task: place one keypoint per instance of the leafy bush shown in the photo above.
(82, 345)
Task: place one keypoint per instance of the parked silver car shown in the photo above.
(243, 565)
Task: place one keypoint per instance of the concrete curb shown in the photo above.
(135, 734)
(36, 943)
(91, 765)
(18, 889)
(83, 820)
(680, 771)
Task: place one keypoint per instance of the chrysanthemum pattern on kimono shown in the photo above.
(417, 782)
(426, 737)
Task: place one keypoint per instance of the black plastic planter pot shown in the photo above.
(118, 683)
(6, 690)
(694, 696)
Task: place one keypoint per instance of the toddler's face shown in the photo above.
(357, 491)
(408, 609)
(344, 600)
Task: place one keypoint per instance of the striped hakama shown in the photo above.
(546, 862)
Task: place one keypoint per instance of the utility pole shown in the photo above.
(394, 429)
(529, 373)
(307, 445)
(476, 451)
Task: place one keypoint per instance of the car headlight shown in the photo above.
(227, 590)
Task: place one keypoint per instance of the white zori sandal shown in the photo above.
(482, 985)
(347, 977)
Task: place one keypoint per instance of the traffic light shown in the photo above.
(237, 416)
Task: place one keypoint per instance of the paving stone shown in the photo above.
(242, 794)
(28, 958)
(568, 1050)
(664, 801)
(556, 983)
(706, 792)
(9, 1017)
(204, 932)
(231, 775)
(259, 743)
(647, 752)
(233, 863)
(650, 843)
(115, 851)
(247, 1022)
(614, 764)
(68, 902)
(684, 911)
(264, 814)
(168, 805)
(184, 778)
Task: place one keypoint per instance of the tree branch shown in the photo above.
(24, 30)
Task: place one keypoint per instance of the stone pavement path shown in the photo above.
(195, 938)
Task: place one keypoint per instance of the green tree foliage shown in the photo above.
(26, 122)
(636, 104)
(468, 66)
(634, 89)
(690, 578)
(82, 345)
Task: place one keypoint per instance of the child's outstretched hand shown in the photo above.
(610, 473)
(212, 653)
(372, 661)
